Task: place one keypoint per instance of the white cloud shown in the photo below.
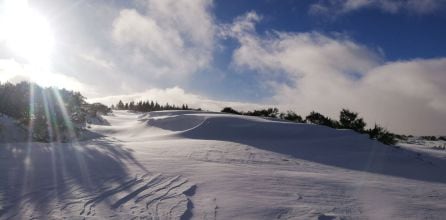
(178, 96)
(336, 7)
(14, 72)
(116, 47)
(327, 73)
(169, 38)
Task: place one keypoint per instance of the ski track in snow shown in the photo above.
(198, 165)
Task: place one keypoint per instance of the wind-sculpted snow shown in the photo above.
(84, 180)
(204, 165)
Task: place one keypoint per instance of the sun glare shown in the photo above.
(26, 33)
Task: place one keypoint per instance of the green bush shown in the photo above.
(382, 135)
(52, 114)
(350, 120)
(318, 118)
(291, 116)
(230, 111)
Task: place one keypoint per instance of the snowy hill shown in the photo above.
(202, 165)
(11, 130)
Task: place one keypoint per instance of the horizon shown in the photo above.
(384, 59)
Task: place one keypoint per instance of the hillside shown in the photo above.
(203, 165)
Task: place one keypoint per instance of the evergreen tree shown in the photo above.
(120, 105)
(382, 135)
(291, 116)
(350, 120)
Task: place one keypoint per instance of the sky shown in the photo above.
(385, 59)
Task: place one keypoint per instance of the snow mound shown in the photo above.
(176, 122)
(217, 126)
(334, 147)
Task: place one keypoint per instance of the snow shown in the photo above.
(11, 130)
(204, 165)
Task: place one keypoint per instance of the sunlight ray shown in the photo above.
(73, 138)
(66, 117)
(27, 160)
(49, 117)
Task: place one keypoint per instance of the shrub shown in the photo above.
(291, 116)
(230, 110)
(95, 108)
(382, 135)
(429, 138)
(52, 114)
(318, 118)
(270, 112)
(350, 120)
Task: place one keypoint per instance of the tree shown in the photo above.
(120, 105)
(50, 114)
(270, 112)
(291, 116)
(350, 120)
(97, 108)
(318, 118)
(382, 135)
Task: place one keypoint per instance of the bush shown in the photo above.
(350, 120)
(291, 116)
(96, 108)
(401, 137)
(53, 114)
(382, 135)
(270, 112)
(230, 111)
(429, 138)
(318, 118)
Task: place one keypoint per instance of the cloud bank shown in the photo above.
(328, 73)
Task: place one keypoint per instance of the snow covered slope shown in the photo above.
(11, 130)
(199, 165)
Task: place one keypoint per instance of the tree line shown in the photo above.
(48, 114)
(148, 106)
(347, 120)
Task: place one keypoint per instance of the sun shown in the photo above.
(26, 33)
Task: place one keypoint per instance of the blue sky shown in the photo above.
(402, 35)
(399, 36)
(383, 58)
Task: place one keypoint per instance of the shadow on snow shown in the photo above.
(339, 148)
(37, 174)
